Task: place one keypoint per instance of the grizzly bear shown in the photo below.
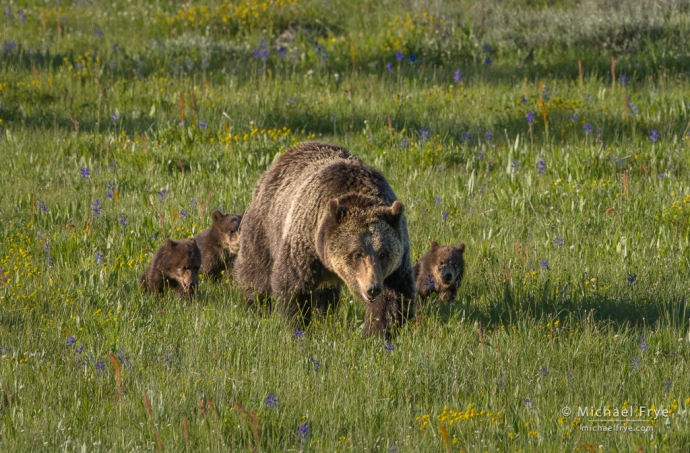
(440, 271)
(175, 265)
(321, 217)
(219, 244)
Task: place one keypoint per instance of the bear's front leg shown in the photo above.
(395, 305)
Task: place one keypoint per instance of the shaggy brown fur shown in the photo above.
(175, 265)
(440, 271)
(321, 217)
(219, 244)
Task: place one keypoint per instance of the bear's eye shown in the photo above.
(357, 256)
(382, 255)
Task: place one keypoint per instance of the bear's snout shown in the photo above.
(447, 277)
(374, 290)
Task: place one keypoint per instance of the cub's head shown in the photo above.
(362, 243)
(182, 261)
(447, 263)
(228, 225)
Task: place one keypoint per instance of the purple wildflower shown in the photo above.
(574, 118)
(487, 61)
(457, 77)
(444, 216)
(654, 137)
(631, 279)
(100, 366)
(635, 364)
(466, 137)
(487, 48)
(429, 282)
(100, 258)
(545, 265)
(480, 156)
(388, 346)
(96, 207)
(399, 55)
(523, 99)
(271, 401)
(643, 344)
(587, 128)
(424, 133)
(183, 214)
(21, 16)
(528, 400)
(85, 173)
(558, 241)
(438, 199)
(543, 371)
(317, 363)
(541, 167)
(488, 135)
(123, 221)
(623, 80)
(303, 431)
(98, 32)
(111, 191)
(531, 118)
(42, 206)
(202, 124)
(282, 50)
(192, 201)
(3, 276)
(413, 58)
(667, 385)
(115, 116)
(70, 341)
(515, 165)
(162, 193)
(299, 334)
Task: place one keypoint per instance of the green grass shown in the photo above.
(577, 270)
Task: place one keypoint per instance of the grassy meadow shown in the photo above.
(551, 137)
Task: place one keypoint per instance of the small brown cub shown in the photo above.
(175, 265)
(440, 271)
(219, 244)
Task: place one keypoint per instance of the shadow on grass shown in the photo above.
(619, 312)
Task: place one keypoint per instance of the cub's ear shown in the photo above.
(395, 213)
(192, 241)
(337, 210)
(169, 243)
(461, 248)
(434, 245)
(216, 215)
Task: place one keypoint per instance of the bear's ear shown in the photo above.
(216, 215)
(169, 243)
(394, 214)
(434, 245)
(461, 248)
(336, 209)
(192, 241)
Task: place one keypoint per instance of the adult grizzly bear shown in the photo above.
(440, 271)
(219, 244)
(320, 217)
(175, 265)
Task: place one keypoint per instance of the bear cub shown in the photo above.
(175, 265)
(219, 244)
(440, 271)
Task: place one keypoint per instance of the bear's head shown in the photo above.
(228, 228)
(182, 260)
(361, 242)
(447, 263)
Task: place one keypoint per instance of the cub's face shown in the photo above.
(229, 227)
(448, 263)
(364, 249)
(183, 260)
